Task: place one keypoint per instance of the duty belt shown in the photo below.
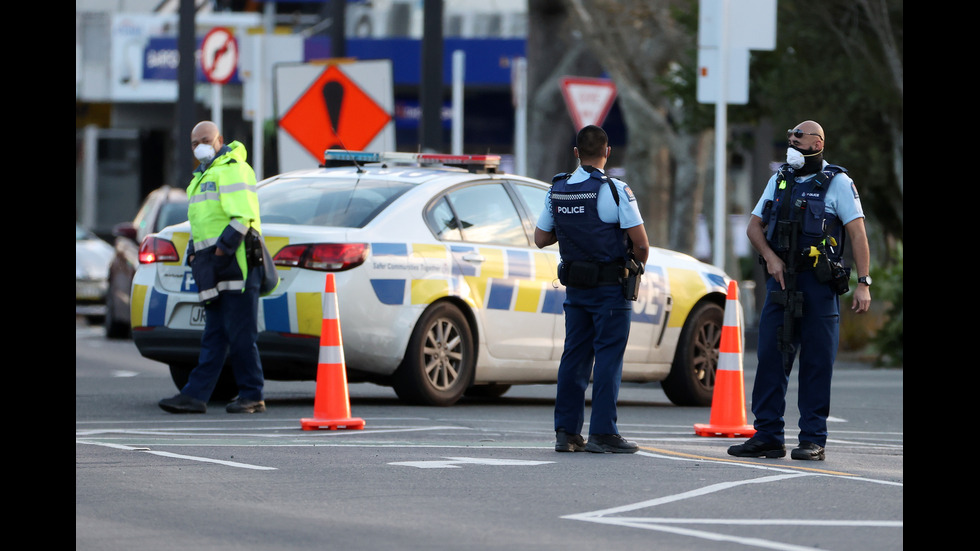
(610, 274)
(587, 274)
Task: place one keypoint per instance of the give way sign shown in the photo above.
(588, 99)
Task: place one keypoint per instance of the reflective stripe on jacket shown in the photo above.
(222, 206)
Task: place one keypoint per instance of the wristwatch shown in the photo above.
(865, 279)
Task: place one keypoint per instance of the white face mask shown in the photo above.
(794, 158)
(205, 152)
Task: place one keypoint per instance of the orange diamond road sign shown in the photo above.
(334, 113)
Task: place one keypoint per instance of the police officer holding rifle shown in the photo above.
(799, 227)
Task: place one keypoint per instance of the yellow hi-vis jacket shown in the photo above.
(222, 206)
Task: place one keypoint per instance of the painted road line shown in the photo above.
(605, 516)
(455, 462)
(180, 456)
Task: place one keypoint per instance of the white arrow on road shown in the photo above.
(454, 462)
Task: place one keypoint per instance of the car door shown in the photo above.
(533, 199)
(508, 279)
(647, 317)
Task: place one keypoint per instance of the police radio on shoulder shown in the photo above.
(865, 279)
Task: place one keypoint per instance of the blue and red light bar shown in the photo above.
(488, 162)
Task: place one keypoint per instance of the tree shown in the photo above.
(639, 43)
(552, 52)
(838, 61)
(841, 62)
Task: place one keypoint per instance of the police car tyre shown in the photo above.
(225, 390)
(692, 376)
(440, 360)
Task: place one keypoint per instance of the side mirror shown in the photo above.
(124, 229)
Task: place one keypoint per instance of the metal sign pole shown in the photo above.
(721, 135)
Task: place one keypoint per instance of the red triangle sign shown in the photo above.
(588, 99)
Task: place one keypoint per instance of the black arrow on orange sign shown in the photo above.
(333, 98)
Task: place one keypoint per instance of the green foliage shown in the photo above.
(837, 62)
(888, 289)
(830, 65)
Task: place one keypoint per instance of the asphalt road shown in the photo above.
(480, 475)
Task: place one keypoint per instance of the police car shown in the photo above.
(440, 288)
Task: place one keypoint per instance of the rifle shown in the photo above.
(790, 298)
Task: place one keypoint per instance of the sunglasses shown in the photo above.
(799, 134)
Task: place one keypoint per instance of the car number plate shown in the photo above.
(88, 291)
(197, 316)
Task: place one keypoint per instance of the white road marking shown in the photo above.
(180, 456)
(454, 462)
(690, 527)
(604, 516)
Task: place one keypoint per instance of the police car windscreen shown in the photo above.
(172, 213)
(326, 202)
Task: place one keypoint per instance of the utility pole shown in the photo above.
(186, 46)
(338, 43)
(430, 87)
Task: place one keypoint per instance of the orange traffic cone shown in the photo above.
(331, 407)
(728, 401)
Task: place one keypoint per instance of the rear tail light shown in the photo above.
(324, 257)
(154, 249)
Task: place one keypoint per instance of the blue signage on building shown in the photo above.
(161, 58)
(487, 59)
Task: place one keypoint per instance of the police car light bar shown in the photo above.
(335, 157)
(486, 161)
(356, 156)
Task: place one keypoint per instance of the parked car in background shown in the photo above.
(441, 291)
(163, 207)
(92, 257)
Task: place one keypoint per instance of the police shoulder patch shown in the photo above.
(629, 192)
(209, 186)
(855, 190)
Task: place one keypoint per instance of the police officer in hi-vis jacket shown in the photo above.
(222, 209)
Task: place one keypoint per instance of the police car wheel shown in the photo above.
(225, 390)
(692, 376)
(440, 360)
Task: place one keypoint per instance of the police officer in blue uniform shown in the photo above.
(798, 227)
(599, 231)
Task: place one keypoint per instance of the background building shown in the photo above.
(126, 87)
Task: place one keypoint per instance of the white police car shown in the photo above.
(441, 290)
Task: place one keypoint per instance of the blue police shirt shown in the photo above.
(628, 213)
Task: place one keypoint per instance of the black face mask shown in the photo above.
(811, 163)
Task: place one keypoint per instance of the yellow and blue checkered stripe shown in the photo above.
(507, 279)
